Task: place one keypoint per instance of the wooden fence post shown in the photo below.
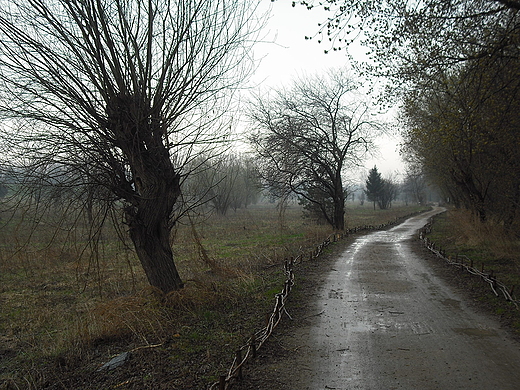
(253, 346)
(239, 360)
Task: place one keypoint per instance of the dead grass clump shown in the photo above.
(149, 317)
(496, 240)
(209, 289)
(132, 316)
(192, 297)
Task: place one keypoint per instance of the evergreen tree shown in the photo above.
(374, 186)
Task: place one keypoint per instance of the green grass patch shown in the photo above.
(62, 304)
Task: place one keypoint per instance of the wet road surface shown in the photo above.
(386, 321)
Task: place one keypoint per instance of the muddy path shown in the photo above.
(382, 317)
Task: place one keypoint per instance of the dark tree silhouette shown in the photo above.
(309, 135)
(379, 190)
(374, 186)
(118, 95)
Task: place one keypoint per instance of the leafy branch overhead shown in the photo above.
(411, 41)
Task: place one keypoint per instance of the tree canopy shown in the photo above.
(409, 43)
(466, 133)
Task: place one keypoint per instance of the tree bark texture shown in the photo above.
(339, 213)
(152, 187)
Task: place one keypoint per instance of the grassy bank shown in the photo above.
(491, 248)
(67, 308)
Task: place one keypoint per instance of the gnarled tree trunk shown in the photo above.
(150, 189)
(151, 241)
(150, 227)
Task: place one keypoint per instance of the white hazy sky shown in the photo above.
(286, 54)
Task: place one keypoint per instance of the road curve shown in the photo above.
(386, 321)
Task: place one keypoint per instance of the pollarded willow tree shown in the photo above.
(309, 135)
(115, 97)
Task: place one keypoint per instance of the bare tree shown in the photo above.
(309, 135)
(119, 95)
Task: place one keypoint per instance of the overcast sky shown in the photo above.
(291, 55)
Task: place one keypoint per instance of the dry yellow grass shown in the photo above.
(56, 295)
(493, 238)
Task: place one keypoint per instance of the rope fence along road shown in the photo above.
(255, 342)
(466, 264)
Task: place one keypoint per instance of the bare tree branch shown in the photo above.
(309, 136)
(120, 95)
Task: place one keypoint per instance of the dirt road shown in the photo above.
(383, 319)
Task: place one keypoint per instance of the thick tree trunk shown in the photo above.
(150, 227)
(150, 222)
(155, 254)
(339, 213)
(339, 203)
(153, 190)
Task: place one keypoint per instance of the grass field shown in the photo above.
(489, 245)
(61, 300)
(491, 248)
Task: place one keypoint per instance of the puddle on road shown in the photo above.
(453, 303)
(475, 332)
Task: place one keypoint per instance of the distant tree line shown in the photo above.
(224, 182)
